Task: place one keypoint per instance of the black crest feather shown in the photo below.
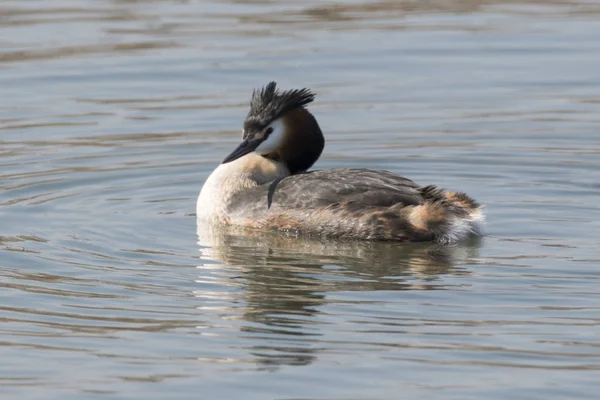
(268, 104)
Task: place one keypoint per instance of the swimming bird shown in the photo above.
(265, 184)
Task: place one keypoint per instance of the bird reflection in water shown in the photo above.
(272, 287)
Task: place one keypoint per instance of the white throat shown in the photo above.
(228, 179)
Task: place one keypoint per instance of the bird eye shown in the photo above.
(269, 130)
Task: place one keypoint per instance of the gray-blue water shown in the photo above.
(112, 114)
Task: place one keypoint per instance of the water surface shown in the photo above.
(112, 114)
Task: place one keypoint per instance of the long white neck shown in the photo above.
(231, 178)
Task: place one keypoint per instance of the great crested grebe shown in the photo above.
(264, 184)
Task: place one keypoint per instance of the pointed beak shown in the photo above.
(246, 147)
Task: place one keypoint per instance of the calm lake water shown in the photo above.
(113, 113)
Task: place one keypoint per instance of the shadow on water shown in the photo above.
(279, 283)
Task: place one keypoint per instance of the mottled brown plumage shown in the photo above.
(349, 203)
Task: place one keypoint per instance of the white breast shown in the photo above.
(211, 201)
(228, 179)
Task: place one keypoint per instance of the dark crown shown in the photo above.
(268, 104)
